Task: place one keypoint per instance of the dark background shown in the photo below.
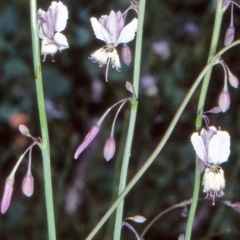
(176, 40)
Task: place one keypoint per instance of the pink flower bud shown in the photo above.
(109, 148)
(126, 54)
(229, 37)
(8, 189)
(28, 185)
(88, 139)
(224, 100)
(233, 80)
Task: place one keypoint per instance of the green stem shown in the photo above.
(202, 98)
(159, 147)
(132, 121)
(45, 149)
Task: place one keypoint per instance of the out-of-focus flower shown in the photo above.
(162, 49)
(110, 29)
(28, 185)
(7, 195)
(149, 85)
(88, 139)
(52, 23)
(213, 148)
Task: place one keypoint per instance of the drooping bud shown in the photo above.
(24, 130)
(126, 54)
(229, 37)
(214, 110)
(181, 237)
(137, 218)
(7, 195)
(224, 100)
(28, 185)
(129, 87)
(233, 80)
(88, 139)
(109, 148)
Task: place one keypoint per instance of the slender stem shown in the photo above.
(132, 121)
(202, 98)
(45, 148)
(157, 150)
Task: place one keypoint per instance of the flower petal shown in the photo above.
(112, 27)
(128, 32)
(199, 146)
(59, 14)
(61, 41)
(99, 31)
(219, 148)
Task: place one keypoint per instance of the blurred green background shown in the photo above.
(176, 40)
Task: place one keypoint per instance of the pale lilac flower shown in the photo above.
(88, 139)
(7, 195)
(110, 29)
(213, 148)
(52, 23)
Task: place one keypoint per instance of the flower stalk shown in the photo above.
(216, 33)
(45, 148)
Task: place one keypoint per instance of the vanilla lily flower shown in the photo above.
(112, 31)
(52, 23)
(213, 148)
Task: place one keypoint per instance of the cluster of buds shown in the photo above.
(51, 24)
(212, 146)
(224, 99)
(110, 145)
(112, 30)
(28, 181)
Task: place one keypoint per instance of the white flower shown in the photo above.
(52, 23)
(213, 148)
(112, 31)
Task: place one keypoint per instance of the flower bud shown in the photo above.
(28, 185)
(224, 100)
(126, 54)
(8, 189)
(229, 37)
(233, 80)
(137, 218)
(88, 139)
(109, 148)
(24, 130)
(129, 87)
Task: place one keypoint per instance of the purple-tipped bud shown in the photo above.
(28, 185)
(7, 195)
(224, 100)
(233, 80)
(109, 148)
(88, 139)
(229, 37)
(126, 54)
(129, 87)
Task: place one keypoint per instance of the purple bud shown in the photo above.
(28, 185)
(214, 110)
(88, 139)
(229, 37)
(129, 87)
(109, 148)
(8, 189)
(233, 80)
(126, 54)
(224, 100)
